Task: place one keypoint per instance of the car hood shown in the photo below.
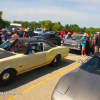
(4, 54)
(72, 41)
(83, 85)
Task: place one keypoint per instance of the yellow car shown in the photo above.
(24, 54)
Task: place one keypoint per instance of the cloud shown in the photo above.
(65, 11)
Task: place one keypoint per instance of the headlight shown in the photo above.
(62, 41)
(78, 45)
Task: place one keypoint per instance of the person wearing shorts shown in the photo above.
(83, 44)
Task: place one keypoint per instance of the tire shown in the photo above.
(55, 61)
(7, 77)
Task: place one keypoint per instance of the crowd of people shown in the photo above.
(84, 40)
(15, 34)
(86, 46)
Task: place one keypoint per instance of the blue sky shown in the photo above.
(84, 13)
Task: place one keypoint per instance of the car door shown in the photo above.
(36, 58)
(53, 39)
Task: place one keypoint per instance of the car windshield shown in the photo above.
(92, 64)
(44, 35)
(76, 36)
(6, 44)
(38, 30)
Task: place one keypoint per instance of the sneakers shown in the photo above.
(84, 55)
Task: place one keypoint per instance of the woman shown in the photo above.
(15, 34)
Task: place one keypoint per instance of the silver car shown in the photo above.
(81, 84)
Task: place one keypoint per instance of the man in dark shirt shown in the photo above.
(0, 39)
(97, 43)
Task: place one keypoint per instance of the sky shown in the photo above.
(84, 13)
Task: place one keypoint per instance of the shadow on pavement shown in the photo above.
(34, 74)
(77, 52)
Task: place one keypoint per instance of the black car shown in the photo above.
(52, 37)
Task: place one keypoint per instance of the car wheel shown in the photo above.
(7, 77)
(55, 61)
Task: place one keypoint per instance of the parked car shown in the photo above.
(81, 84)
(23, 54)
(21, 32)
(12, 25)
(50, 36)
(74, 43)
(40, 30)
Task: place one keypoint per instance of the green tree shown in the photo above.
(67, 27)
(48, 24)
(91, 30)
(57, 27)
(0, 14)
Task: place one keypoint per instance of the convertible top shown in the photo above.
(21, 45)
(34, 40)
(18, 47)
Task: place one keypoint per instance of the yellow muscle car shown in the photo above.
(24, 54)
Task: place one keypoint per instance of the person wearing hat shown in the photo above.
(83, 44)
(26, 33)
(97, 42)
(68, 35)
(4, 36)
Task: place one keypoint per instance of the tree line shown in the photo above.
(48, 24)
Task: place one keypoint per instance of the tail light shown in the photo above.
(44, 38)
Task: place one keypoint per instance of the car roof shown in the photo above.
(34, 40)
(48, 33)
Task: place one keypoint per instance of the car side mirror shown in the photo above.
(80, 61)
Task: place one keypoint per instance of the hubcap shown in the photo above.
(6, 76)
(55, 60)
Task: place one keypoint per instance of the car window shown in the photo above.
(52, 35)
(44, 35)
(92, 64)
(6, 44)
(45, 47)
(76, 36)
(37, 47)
(38, 30)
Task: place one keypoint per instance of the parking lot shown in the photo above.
(38, 84)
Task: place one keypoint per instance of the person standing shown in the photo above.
(88, 44)
(0, 39)
(97, 43)
(4, 36)
(26, 34)
(61, 33)
(15, 34)
(83, 44)
(68, 35)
